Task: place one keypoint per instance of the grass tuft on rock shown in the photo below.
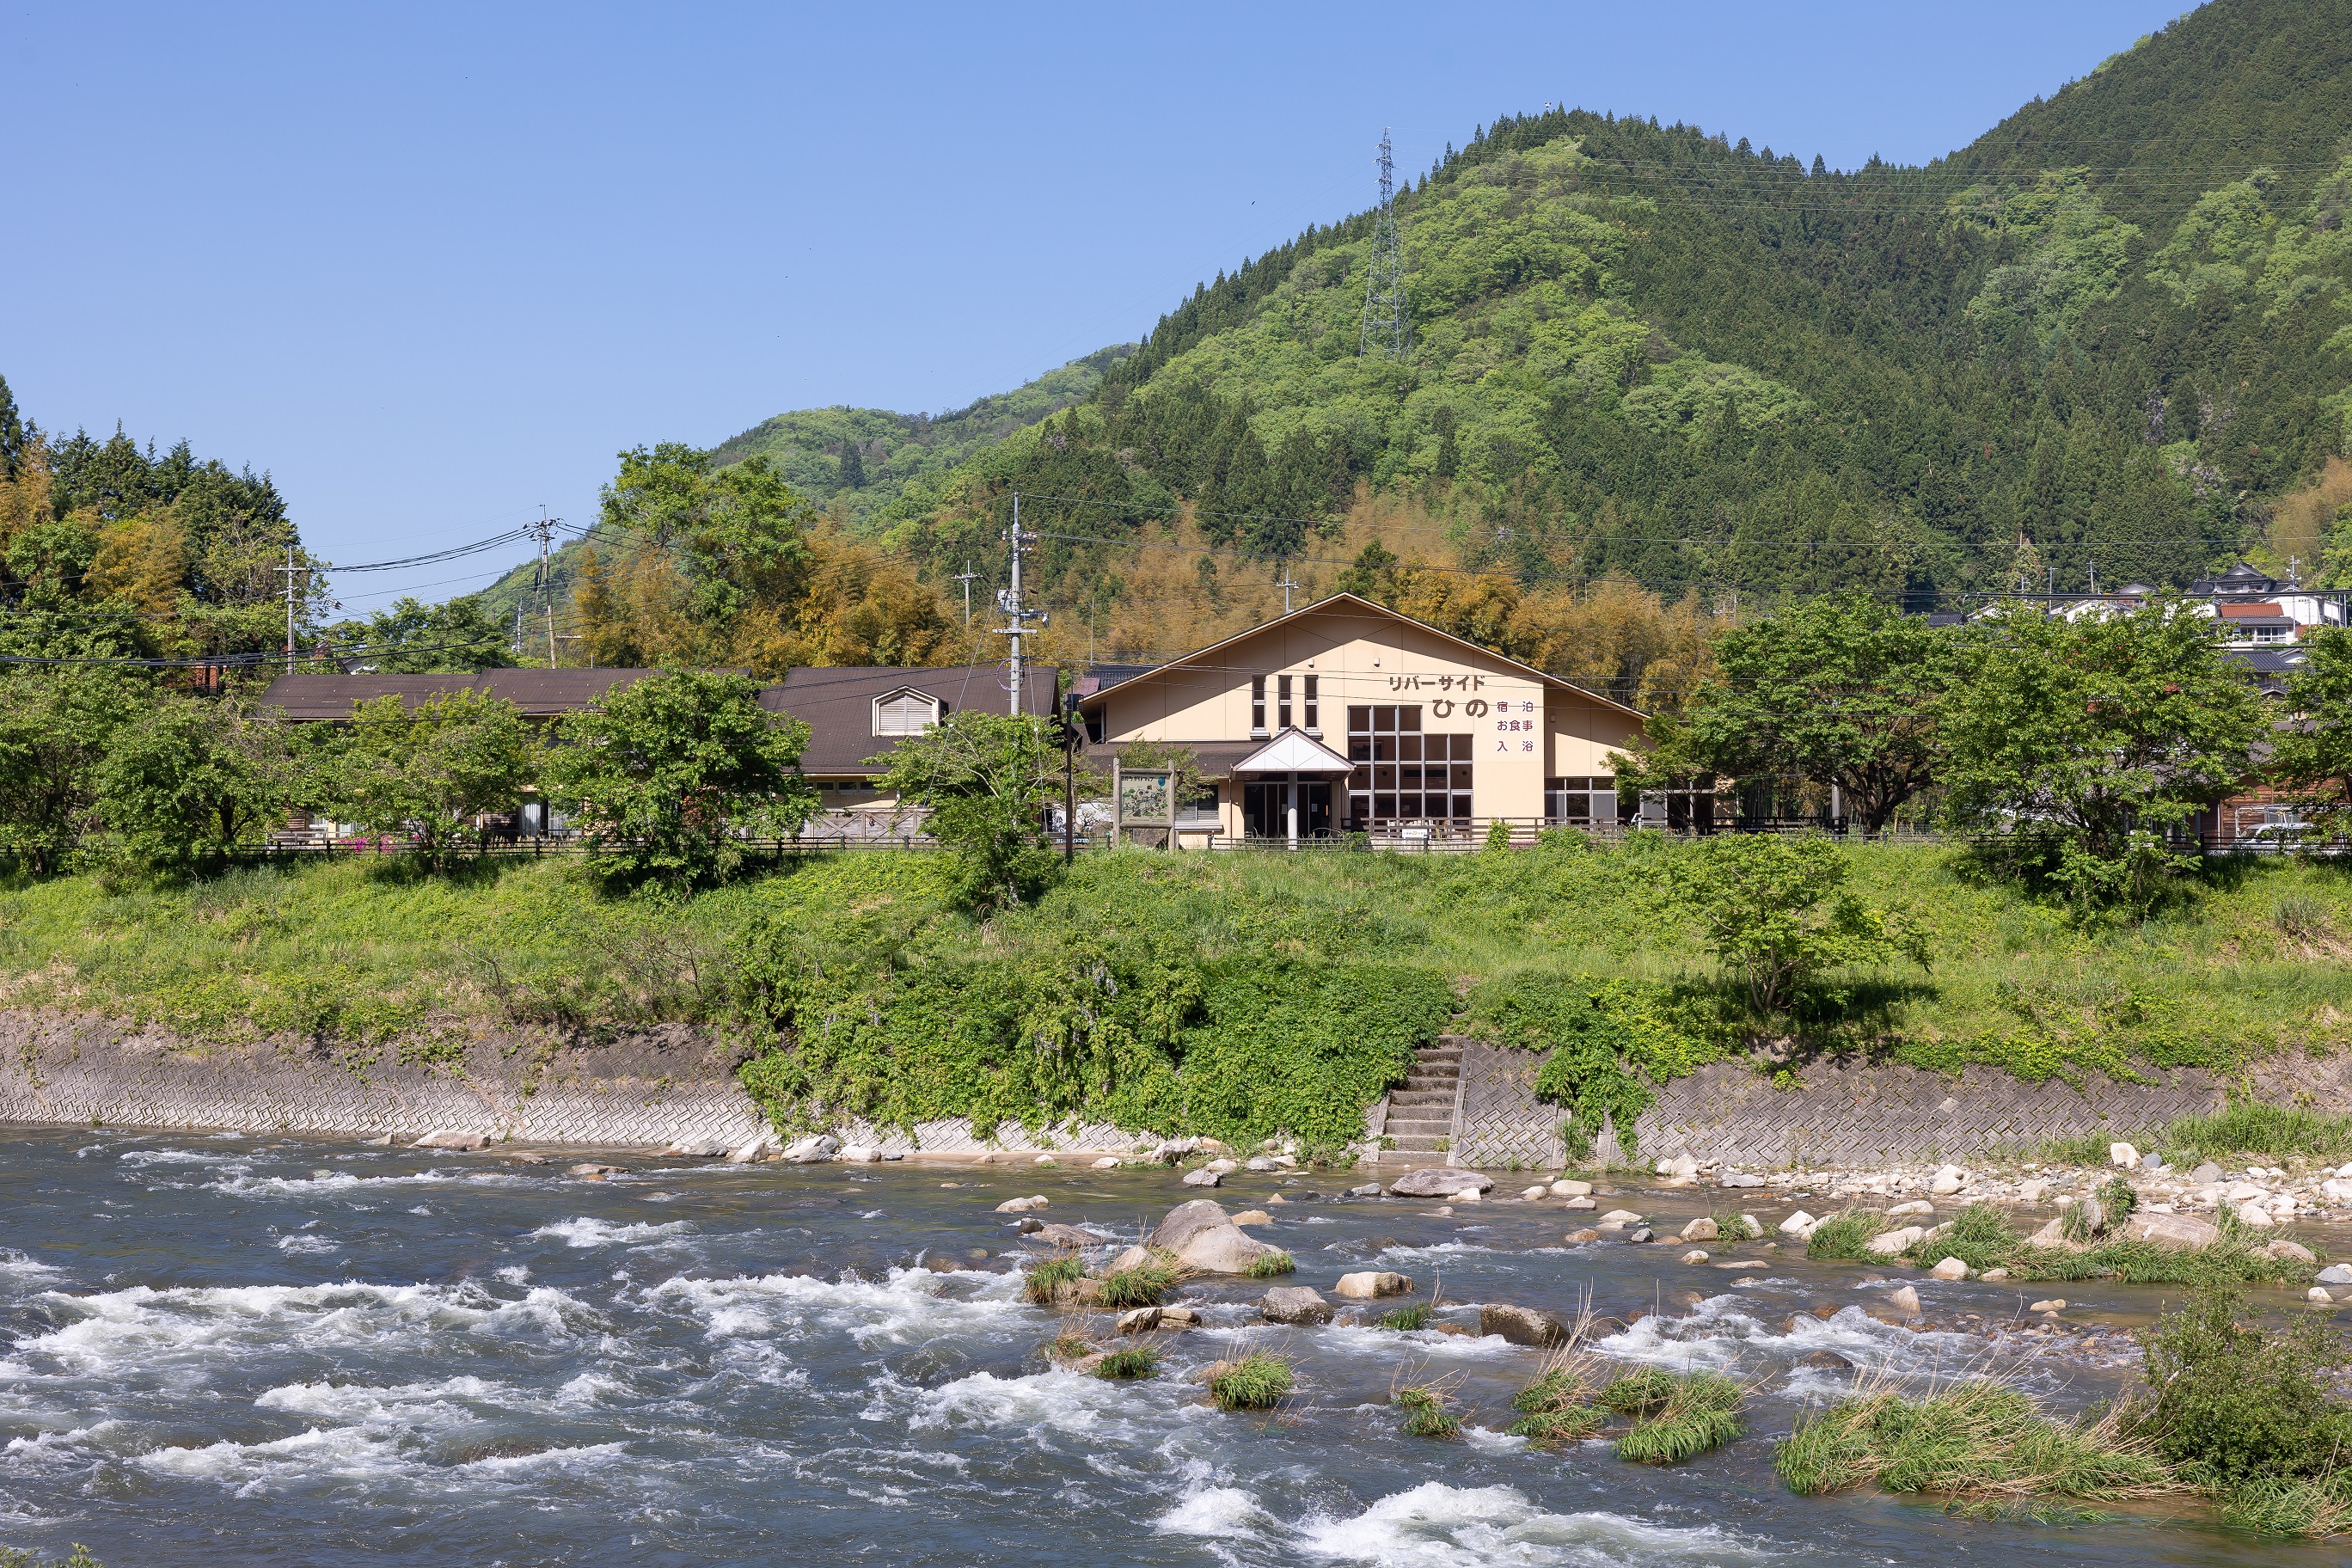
(1137, 1361)
(1256, 1382)
(1975, 1441)
(1270, 1265)
(1699, 1410)
(1407, 1320)
(1426, 1415)
(1038, 1284)
(1979, 1237)
(1842, 1237)
(1147, 1285)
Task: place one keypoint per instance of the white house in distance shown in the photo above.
(1347, 717)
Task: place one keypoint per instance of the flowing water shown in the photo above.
(261, 1352)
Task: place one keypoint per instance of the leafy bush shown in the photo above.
(1776, 912)
(1256, 1382)
(1137, 1361)
(1609, 1043)
(2237, 1402)
(1976, 1439)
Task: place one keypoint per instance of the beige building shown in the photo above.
(1346, 717)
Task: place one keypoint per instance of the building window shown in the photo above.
(1257, 704)
(904, 713)
(1313, 725)
(1582, 801)
(1403, 775)
(1282, 703)
(1199, 808)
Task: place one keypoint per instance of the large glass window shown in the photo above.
(1582, 801)
(1401, 773)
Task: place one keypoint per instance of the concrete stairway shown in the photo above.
(1421, 1115)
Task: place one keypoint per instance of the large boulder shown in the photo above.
(1221, 1249)
(1138, 1319)
(2054, 1235)
(1133, 1257)
(1523, 1326)
(1439, 1182)
(1367, 1286)
(2172, 1232)
(1187, 1220)
(1889, 1243)
(1203, 1177)
(2288, 1252)
(1294, 1304)
(1701, 1229)
(449, 1139)
(1067, 1235)
(810, 1151)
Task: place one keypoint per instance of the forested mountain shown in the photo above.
(2107, 337)
(864, 457)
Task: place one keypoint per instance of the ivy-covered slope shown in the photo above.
(2100, 340)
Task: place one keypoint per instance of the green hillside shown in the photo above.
(2101, 339)
(893, 450)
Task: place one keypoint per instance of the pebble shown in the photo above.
(1579, 1203)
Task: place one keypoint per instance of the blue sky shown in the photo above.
(433, 266)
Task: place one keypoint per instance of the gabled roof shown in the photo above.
(1356, 604)
(539, 693)
(837, 703)
(1294, 751)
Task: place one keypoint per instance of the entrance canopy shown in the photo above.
(1294, 751)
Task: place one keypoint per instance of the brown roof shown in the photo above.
(837, 704)
(539, 693)
(1216, 758)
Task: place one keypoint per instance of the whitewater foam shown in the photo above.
(589, 1231)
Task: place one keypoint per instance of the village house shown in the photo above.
(1346, 717)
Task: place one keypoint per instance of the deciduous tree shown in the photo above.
(191, 778)
(429, 772)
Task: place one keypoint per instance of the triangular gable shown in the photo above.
(1355, 603)
(1294, 751)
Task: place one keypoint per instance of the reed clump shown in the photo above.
(1135, 1362)
(1976, 1441)
(1408, 1320)
(1256, 1382)
(1676, 1416)
(1038, 1285)
(1425, 1411)
(1145, 1285)
(1843, 1236)
(1270, 1265)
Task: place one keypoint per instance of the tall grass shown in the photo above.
(1256, 1382)
(1976, 1439)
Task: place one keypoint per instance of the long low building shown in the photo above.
(1347, 717)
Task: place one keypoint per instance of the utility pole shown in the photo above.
(1286, 586)
(967, 577)
(288, 572)
(1011, 602)
(545, 531)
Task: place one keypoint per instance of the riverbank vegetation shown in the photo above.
(1231, 994)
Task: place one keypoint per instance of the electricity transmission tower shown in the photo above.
(1387, 329)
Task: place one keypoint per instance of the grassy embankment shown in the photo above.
(1228, 993)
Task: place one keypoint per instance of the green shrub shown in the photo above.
(1406, 1319)
(1977, 1439)
(2236, 1403)
(1046, 1273)
(1426, 1415)
(1270, 1265)
(2116, 1200)
(1700, 1411)
(1842, 1237)
(1146, 1285)
(1256, 1382)
(1137, 1361)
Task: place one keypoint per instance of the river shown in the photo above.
(231, 1350)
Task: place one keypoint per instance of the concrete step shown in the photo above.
(1421, 1097)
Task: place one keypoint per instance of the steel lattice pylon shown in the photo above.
(1388, 326)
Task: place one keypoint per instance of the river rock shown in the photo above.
(1203, 1177)
(1641, 1233)
(1029, 1224)
(1532, 1193)
(448, 1138)
(1739, 1179)
(811, 1149)
(1571, 1189)
(2172, 1232)
(2094, 1214)
(1948, 1180)
(1221, 1249)
(1368, 1286)
(1701, 1229)
(1694, 1255)
(2055, 1304)
(2123, 1155)
(1799, 1224)
(1065, 1236)
(1187, 1220)
(1523, 1326)
(1223, 1166)
(2288, 1251)
(1253, 1216)
(1890, 1243)
(1178, 1317)
(1951, 1269)
(2318, 1293)
(1368, 1190)
(1580, 1204)
(696, 1149)
(1167, 1151)
(1260, 1163)
(599, 1171)
(1904, 1300)
(1579, 1238)
(384, 1141)
(1108, 1162)
(1294, 1304)
(1020, 1205)
(1439, 1182)
(1138, 1319)
(1619, 1217)
(2206, 1174)
(1827, 1360)
(2251, 1213)
(1133, 1257)
(1916, 1206)
(1680, 1167)
(861, 1154)
(2336, 1274)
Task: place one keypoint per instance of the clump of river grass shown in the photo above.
(1145, 1285)
(1843, 1236)
(1557, 1407)
(1676, 1416)
(1407, 1320)
(1256, 1382)
(1136, 1360)
(1045, 1275)
(1425, 1411)
(1270, 1265)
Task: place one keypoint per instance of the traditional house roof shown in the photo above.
(539, 693)
(1355, 606)
(839, 704)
